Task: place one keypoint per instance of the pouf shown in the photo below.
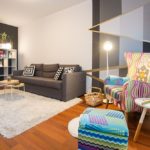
(73, 126)
(102, 129)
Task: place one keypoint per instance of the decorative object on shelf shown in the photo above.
(10, 55)
(107, 47)
(1, 54)
(94, 98)
(3, 37)
(9, 78)
(5, 45)
(1, 63)
(5, 41)
(7, 65)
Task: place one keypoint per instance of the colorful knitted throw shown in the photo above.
(102, 129)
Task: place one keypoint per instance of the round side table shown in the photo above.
(73, 126)
(146, 106)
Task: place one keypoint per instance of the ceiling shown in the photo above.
(19, 12)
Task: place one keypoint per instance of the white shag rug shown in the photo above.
(23, 111)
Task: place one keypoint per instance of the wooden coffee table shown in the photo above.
(10, 84)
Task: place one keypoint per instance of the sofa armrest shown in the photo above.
(17, 72)
(132, 90)
(115, 80)
(74, 85)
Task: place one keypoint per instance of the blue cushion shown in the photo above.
(115, 80)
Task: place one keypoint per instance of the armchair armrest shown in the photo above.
(17, 72)
(132, 90)
(74, 85)
(115, 80)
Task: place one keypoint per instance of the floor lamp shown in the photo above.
(107, 47)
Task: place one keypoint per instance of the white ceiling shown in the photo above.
(19, 12)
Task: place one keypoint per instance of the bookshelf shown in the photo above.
(8, 62)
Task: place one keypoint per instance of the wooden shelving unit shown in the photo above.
(8, 62)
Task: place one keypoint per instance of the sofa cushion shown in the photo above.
(59, 73)
(38, 69)
(49, 70)
(38, 73)
(48, 74)
(77, 68)
(115, 91)
(29, 71)
(69, 69)
(40, 81)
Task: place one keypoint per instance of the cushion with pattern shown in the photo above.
(69, 69)
(138, 66)
(29, 71)
(58, 73)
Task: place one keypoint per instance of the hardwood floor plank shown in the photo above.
(3, 144)
(53, 134)
(18, 147)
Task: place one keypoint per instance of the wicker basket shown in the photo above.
(94, 98)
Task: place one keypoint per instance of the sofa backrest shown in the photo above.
(45, 70)
(138, 66)
(38, 69)
(49, 70)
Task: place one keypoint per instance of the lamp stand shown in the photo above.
(107, 59)
(107, 101)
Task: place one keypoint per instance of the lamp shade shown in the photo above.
(108, 46)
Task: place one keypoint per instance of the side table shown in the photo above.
(146, 106)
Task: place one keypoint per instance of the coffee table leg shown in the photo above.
(24, 89)
(5, 92)
(140, 124)
(11, 92)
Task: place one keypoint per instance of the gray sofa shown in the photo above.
(70, 86)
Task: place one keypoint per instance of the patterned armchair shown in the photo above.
(124, 90)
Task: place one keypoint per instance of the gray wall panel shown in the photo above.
(129, 5)
(128, 45)
(146, 22)
(109, 9)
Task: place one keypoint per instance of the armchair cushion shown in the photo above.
(125, 95)
(138, 66)
(115, 80)
(114, 91)
(135, 89)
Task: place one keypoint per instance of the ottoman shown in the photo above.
(102, 129)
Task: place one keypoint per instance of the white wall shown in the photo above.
(62, 37)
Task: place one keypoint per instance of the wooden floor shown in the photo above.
(53, 135)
